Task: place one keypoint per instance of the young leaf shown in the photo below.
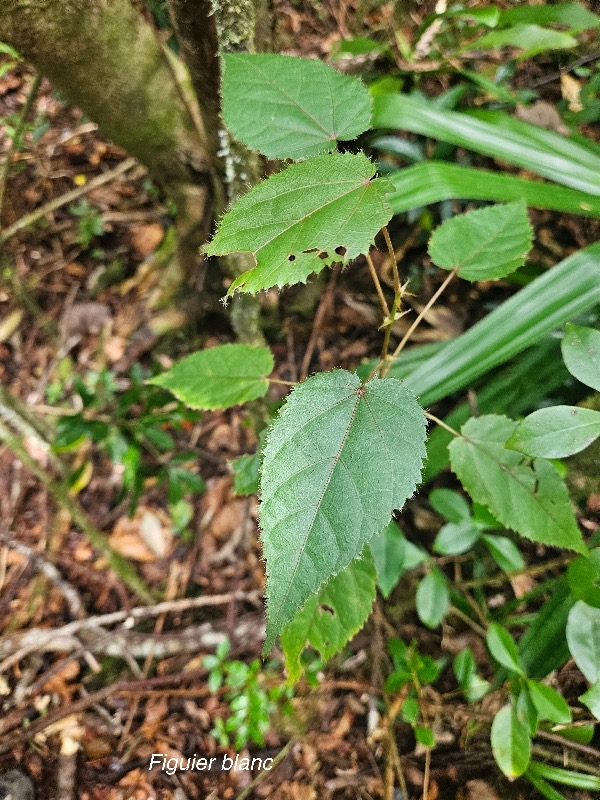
(456, 538)
(485, 244)
(472, 685)
(393, 554)
(339, 459)
(581, 353)
(511, 744)
(532, 499)
(501, 645)
(504, 552)
(556, 432)
(583, 637)
(219, 377)
(328, 620)
(450, 505)
(288, 107)
(324, 210)
(432, 599)
(549, 703)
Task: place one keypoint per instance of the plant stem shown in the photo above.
(35, 85)
(60, 493)
(265, 772)
(422, 314)
(442, 424)
(392, 253)
(375, 277)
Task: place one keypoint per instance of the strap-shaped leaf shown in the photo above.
(530, 498)
(328, 620)
(312, 214)
(219, 377)
(339, 459)
(485, 244)
(289, 107)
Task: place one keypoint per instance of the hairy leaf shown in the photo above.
(485, 244)
(289, 107)
(581, 352)
(219, 377)
(556, 432)
(328, 620)
(339, 459)
(530, 498)
(324, 210)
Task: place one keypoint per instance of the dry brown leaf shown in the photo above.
(542, 114)
(145, 537)
(478, 790)
(145, 238)
(570, 90)
(84, 318)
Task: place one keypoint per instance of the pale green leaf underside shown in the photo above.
(530, 498)
(583, 637)
(556, 432)
(340, 457)
(219, 377)
(485, 244)
(298, 107)
(331, 617)
(295, 221)
(581, 352)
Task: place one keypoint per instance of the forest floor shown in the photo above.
(86, 702)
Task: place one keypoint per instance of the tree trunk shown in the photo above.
(106, 60)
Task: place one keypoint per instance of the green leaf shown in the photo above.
(529, 498)
(432, 598)
(485, 244)
(456, 538)
(288, 107)
(559, 295)
(581, 352)
(583, 577)
(393, 555)
(246, 474)
(591, 699)
(340, 457)
(511, 744)
(583, 638)
(543, 646)
(494, 134)
(501, 645)
(435, 181)
(450, 505)
(549, 703)
(471, 684)
(532, 39)
(568, 777)
(504, 552)
(328, 620)
(526, 710)
(556, 432)
(573, 16)
(424, 736)
(312, 214)
(219, 377)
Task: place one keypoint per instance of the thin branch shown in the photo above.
(265, 772)
(376, 281)
(394, 261)
(422, 314)
(68, 197)
(19, 128)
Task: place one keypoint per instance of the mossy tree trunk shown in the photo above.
(106, 60)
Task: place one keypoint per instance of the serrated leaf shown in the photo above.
(456, 538)
(393, 554)
(583, 638)
(549, 703)
(581, 353)
(219, 377)
(289, 107)
(312, 214)
(327, 621)
(485, 244)
(556, 432)
(432, 598)
(504, 552)
(501, 645)
(511, 744)
(340, 457)
(530, 498)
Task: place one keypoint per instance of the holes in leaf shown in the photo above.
(327, 609)
(341, 251)
(323, 255)
(292, 258)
